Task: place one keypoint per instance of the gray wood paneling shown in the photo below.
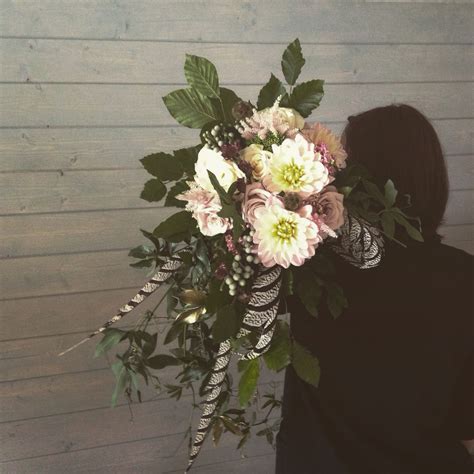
(318, 21)
(80, 100)
(127, 105)
(142, 62)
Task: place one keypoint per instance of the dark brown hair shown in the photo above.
(398, 142)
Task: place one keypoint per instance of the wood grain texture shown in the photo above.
(320, 21)
(112, 148)
(36, 60)
(62, 191)
(125, 105)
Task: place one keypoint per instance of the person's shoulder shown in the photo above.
(452, 257)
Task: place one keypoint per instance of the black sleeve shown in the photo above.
(463, 402)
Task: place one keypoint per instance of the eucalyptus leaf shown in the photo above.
(112, 337)
(248, 382)
(292, 62)
(153, 191)
(307, 96)
(191, 109)
(305, 364)
(270, 92)
(201, 75)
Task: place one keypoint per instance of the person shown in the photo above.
(395, 392)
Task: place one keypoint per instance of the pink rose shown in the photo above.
(210, 223)
(331, 207)
(255, 196)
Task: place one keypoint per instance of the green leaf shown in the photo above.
(229, 98)
(292, 62)
(187, 157)
(227, 323)
(390, 193)
(278, 356)
(307, 96)
(270, 92)
(175, 331)
(374, 192)
(335, 298)
(388, 224)
(142, 251)
(178, 188)
(154, 190)
(248, 382)
(161, 361)
(412, 231)
(122, 377)
(201, 75)
(190, 108)
(287, 282)
(305, 364)
(111, 338)
(308, 290)
(176, 228)
(216, 298)
(162, 165)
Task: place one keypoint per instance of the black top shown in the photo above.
(395, 395)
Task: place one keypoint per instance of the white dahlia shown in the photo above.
(283, 237)
(296, 168)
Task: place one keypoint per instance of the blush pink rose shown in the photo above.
(331, 207)
(255, 196)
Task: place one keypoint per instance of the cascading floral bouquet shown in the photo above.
(268, 201)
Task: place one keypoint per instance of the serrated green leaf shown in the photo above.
(308, 290)
(278, 356)
(153, 191)
(335, 299)
(305, 364)
(307, 96)
(270, 92)
(176, 228)
(388, 224)
(390, 193)
(190, 108)
(161, 361)
(248, 382)
(201, 75)
(178, 188)
(111, 338)
(292, 62)
(187, 158)
(163, 165)
(229, 98)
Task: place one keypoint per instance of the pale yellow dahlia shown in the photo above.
(296, 168)
(318, 134)
(283, 237)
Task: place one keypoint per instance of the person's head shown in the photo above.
(398, 142)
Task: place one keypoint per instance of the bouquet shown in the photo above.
(267, 202)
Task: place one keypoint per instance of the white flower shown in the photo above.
(226, 172)
(283, 237)
(291, 117)
(295, 167)
(258, 159)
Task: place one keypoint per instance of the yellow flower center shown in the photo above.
(285, 229)
(292, 174)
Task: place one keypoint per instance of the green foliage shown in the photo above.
(201, 75)
(305, 364)
(308, 289)
(190, 108)
(292, 62)
(153, 191)
(307, 96)
(270, 92)
(228, 204)
(122, 379)
(227, 323)
(178, 188)
(187, 157)
(335, 299)
(112, 337)
(176, 228)
(248, 381)
(163, 166)
(228, 99)
(278, 356)
(161, 361)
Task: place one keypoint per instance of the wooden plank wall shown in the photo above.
(80, 89)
